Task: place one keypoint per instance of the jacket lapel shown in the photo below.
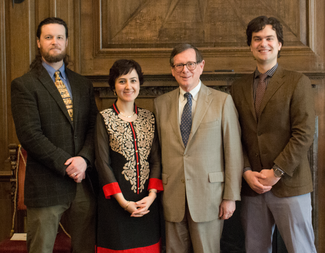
(202, 105)
(275, 83)
(248, 93)
(48, 83)
(75, 90)
(174, 117)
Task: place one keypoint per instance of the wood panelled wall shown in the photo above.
(101, 31)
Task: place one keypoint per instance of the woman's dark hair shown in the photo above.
(181, 48)
(258, 24)
(123, 67)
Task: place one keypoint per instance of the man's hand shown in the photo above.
(226, 209)
(269, 179)
(76, 168)
(254, 180)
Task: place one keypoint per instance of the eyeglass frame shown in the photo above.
(186, 64)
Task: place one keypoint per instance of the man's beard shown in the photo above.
(53, 58)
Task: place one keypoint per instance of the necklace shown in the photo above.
(127, 116)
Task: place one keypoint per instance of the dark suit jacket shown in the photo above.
(46, 132)
(284, 132)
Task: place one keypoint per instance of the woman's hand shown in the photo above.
(130, 207)
(142, 206)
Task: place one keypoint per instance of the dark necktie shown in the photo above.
(64, 94)
(260, 90)
(186, 120)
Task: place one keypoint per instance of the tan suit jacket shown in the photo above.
(283, 133)
(209, 169)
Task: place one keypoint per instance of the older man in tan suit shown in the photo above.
(201, 157)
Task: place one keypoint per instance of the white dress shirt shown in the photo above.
(183, 100)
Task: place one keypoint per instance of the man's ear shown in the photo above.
(172, 69)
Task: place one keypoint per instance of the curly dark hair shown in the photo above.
(123, 67)
(258, 24)
(181, 48)
(37, 62)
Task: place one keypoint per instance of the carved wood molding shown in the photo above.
(146, 31)
(156, 85)
(151, 29)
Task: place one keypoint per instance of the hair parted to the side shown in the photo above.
(258, 24)
(123, 67)
(37, 62)
(181, 48)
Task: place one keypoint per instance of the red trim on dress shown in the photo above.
(118, 112)
(155, 248)
(111, 189)
(115, 108)
(135, 144)
(155, 183)
(136, 155)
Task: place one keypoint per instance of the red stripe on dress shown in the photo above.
(136, 155)
(155, 248)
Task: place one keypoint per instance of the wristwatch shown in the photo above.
(277, 171)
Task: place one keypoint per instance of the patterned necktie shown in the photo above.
(64, 94)
(260, 90)
(186, 120)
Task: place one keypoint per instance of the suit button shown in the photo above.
(257, 155)
(182, 180)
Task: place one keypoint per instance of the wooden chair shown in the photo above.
(18, 158)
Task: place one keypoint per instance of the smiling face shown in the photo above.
(265, 47)
(187, 79)
(127, 87)
(53, 43)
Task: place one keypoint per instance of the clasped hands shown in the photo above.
(139, 208)
(76, 168)
(262, 181)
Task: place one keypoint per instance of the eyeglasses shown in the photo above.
(191, 65)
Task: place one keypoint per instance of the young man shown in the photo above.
(201, 157)
(276, 112)
(54, 112)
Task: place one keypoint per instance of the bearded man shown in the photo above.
(54, 112)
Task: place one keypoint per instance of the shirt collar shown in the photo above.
(270, 72)
(51, 70)
(193, 92)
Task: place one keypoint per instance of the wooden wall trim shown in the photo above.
(208, 78)
(4, 92)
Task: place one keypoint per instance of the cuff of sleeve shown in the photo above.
(111, 189)
(155, 183)
(246, 169)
